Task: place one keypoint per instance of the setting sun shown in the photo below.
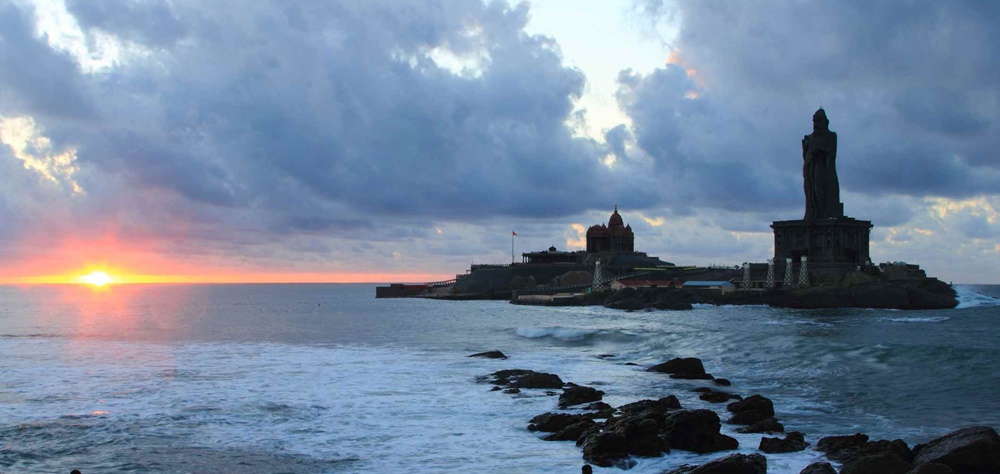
(97, 278)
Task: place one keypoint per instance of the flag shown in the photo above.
(513, 234)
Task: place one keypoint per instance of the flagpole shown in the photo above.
(512, 234)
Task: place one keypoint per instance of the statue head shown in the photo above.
(820, 122)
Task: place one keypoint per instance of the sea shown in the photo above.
(328, 379)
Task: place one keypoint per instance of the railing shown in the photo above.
(435, 284)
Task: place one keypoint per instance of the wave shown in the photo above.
(970, 299)
(569, 334)
(929, 319)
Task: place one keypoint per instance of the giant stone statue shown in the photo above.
(819, 170)
(825, 236)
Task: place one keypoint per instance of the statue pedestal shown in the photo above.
(842, 240)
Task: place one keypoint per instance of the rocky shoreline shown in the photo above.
(903, 294)
(614, 436)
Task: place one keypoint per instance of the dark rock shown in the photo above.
(723, 382)
(519, 378)
(932, 468)
(848, 448)
(750, 410)
(629, 304)
(769, 425)
(662, 405)
(579, 395)
(571, 432)
(793, 441)
(622, 294)
(841, 448)
(599, 410)
(715, 396)
(698, 431)
(605, 449)
(692, 376)
(819, 468)
(605, 356)
(883, 463)
(732, 464)
(512, 391)
(632, 363)
(490, 355)
(687, 365)
(972, 450)
(553, 422)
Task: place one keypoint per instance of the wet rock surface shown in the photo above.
(732, 464)
(579, 395)
(490, 355)
(819, 468)
(520, 378)
(974, 450)
(750, 410)
(794, 441)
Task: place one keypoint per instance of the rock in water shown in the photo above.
(519, 378)
(490, 355)
(974, 450)
(732, 464)
(819, 468)
(751, 410)
(553, 422)
(687, 365)
(884, 463)
(578, 395)
(698, 431)
(793, 441)
(931, 468)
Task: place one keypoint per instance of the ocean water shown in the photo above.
(325, 378)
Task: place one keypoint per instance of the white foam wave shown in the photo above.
(929, 319)
(970, 299)
(563, 334)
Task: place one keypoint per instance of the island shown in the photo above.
(819, 261)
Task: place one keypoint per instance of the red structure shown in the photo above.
(614, 237)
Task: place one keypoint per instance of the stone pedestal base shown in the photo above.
(836, 240)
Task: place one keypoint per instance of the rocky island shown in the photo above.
(819, 261)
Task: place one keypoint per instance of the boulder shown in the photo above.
(606, 449)
(687, 365)
(571, 432)
(662, 405)
(931, 468)
(770, 425)
(579, 395)
(490, 355)
(600, 410)
(553, 422)
(750, 410)
(841, 448)
(848, 448)
(723, 382)
(520, 378)
(698, 431)
(732, 464)
(883, 463)
(716, 396)
(819, 468)
(692, 376)
(794, 441)
(972, 450)
(631, 304)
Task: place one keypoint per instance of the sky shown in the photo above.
(403, 140)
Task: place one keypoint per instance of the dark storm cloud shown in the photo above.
(298, 107)
(35, 79)
(910, 90)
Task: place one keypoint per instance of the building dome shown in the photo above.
(616, 220)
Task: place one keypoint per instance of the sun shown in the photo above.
(96, 278)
